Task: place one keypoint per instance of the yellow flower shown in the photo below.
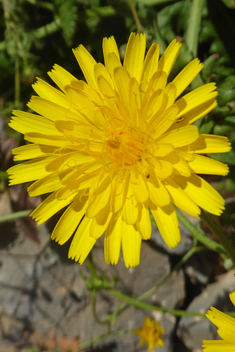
(226, 330)
(150, 332)
(118, 146)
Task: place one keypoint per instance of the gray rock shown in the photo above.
(183, 247)
(192, 330)
(201, 267)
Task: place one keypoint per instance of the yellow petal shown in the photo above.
(196, 113)
(151, 62)
(111, 54)
(25, 122)
(61, 77)
(118, 195)
(171, 94)
(187, 75)
(181, 136)
(158, 193)
(68, 161)
(154, 106)
(179, 164)
(122, 84)
(87, 64)
(162, 168)
(46, 91)
(217, 346)
(181, 199)
(144, 225)
(47, 184)
(101, 222)
(69, 221)
(47, 139)
(100, 198)
(164, 122)
(32, 151)
(158, 81)
(225, 324)
(29, 171)
(112, 242)
(163, 149)
(134, 55)
(130, 209)
(48, 109)
(202, 193)
(220, 319)
(203, 165)
(169, 57)
(82, 242)
(139, 187)
(167, 223)
(232, 297)
(196, 98)
(50, 206)
(101, 71)
(131, 245)
(210, 144)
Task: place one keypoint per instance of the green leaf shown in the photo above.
(223, 20)
(227, 158)
(154, 2)
(67, 12)
(229, 3)
(193, 26)
(172, 19)
(207, 125)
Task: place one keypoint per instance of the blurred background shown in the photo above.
(45, 303)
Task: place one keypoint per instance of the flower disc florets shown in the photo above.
(117, 147)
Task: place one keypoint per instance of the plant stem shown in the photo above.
(146, 306)
(135, 16)
(218, 232)
(14, 216)
(93, 304)
(3, 175)
(17, 81)
(199, 236)
(48, 29)
(191, 35)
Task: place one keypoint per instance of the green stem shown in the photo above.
(146, 306)
(3, 175)
(91, 268)
(14, 216)
(214, 246)
(93, 304)
(218, 232)
(17, 81)
(48, 29)
(135, 16)
(191, 35)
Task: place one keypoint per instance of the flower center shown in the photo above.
(125, 147)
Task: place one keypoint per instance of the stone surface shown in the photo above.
(192, 330)
(201, 267)
(183, 247)
(41, 291)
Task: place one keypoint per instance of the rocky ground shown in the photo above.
(44, 302)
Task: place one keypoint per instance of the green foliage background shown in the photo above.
(35, 34)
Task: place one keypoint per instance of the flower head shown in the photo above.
(150, 332)
(116, 146)
(226, 330)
